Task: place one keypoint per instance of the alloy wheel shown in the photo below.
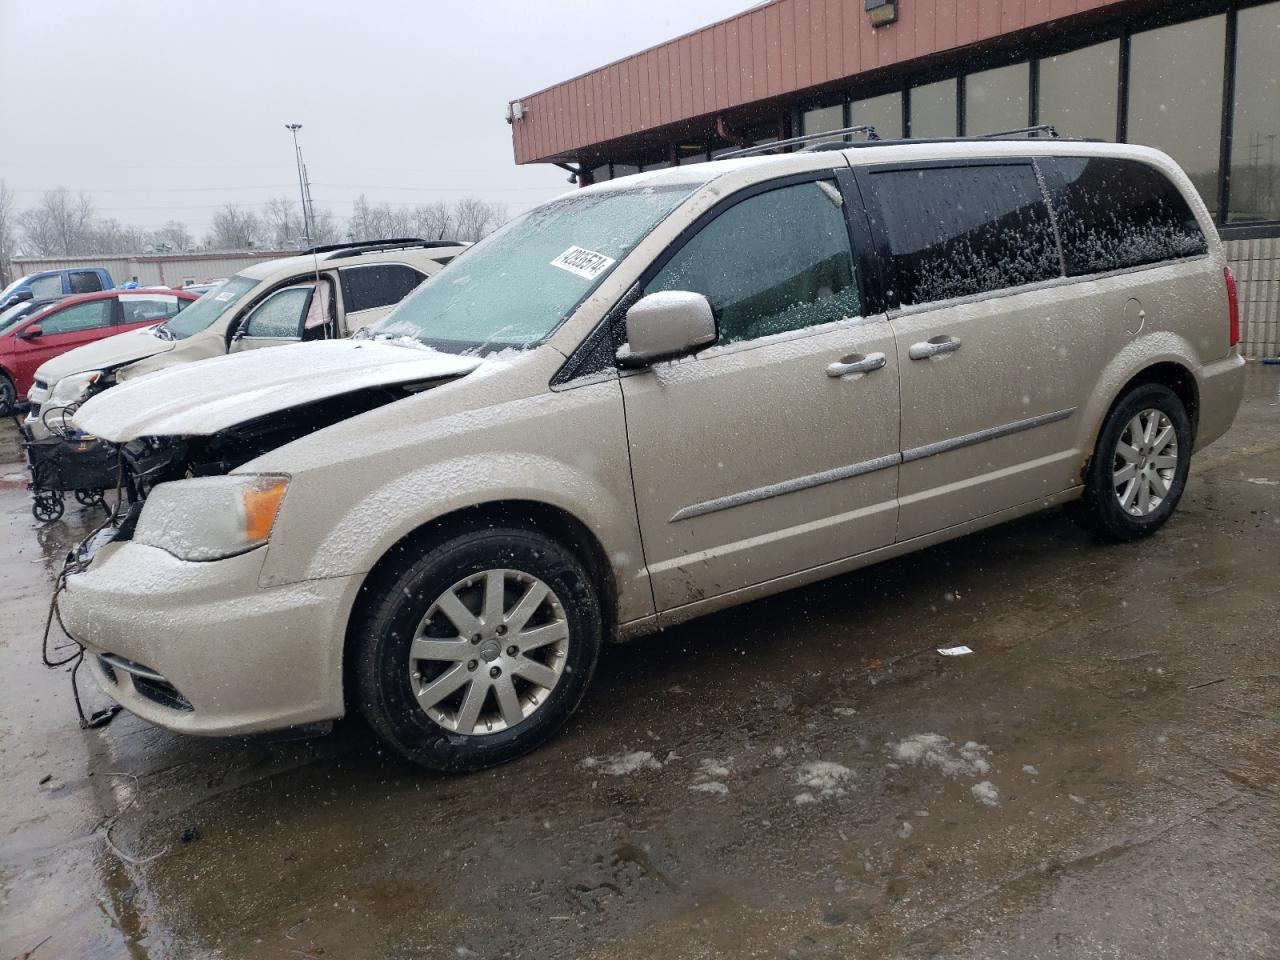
(488, 652)
(1146, 459)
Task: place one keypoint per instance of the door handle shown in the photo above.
(934, 347)
(856, 363)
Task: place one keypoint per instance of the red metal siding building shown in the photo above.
(1199, 79)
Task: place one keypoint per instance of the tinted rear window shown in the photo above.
(960, 231)
(1114, 214)
(377, 285)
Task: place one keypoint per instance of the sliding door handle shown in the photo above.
(934, 347)
(856, 363)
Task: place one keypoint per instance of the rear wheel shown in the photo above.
(1139, 467)
(479, 651)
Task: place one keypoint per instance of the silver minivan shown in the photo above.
(645, 401)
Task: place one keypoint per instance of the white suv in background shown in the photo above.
(328, 293)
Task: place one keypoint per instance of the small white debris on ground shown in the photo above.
(844, 711)
(1028, 768)
(803, 798)
(1263, 481)
(825, 777)
(711, 786)
(905, 830)
(960, 651)
(623, 763)
(1075, 799)
(986, 792)
(935, 750)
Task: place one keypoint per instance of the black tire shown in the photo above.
(1099, 511)
(8, 396)
(90, 498)
(382, 636)
(47, 507)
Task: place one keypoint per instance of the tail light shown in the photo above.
(1233, 306)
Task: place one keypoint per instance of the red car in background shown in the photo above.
(61, 325)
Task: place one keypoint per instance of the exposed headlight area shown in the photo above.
(76, 388)
(211, 518)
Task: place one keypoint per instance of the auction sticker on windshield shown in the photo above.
(583, 262)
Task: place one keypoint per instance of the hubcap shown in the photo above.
(1145, 462)
(511, 622)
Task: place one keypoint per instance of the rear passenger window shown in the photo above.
(775, 262)
(136, 308)
(1116, 213)
(960, 231)
(85, 281)
(377, 285)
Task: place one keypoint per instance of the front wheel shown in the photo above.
(479, 651)
(8, 396)
(1139, 466)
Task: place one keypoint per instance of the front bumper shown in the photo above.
(200, 648)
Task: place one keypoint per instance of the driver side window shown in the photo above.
(775, 262)
(280, 315)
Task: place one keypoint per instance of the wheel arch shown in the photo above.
(551, 521)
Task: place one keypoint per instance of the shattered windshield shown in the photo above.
(201, 314)
(515, 287)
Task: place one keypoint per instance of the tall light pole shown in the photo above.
(304, 188)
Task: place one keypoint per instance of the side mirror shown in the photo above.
(31, 332)
(667, 324)
(20, 297)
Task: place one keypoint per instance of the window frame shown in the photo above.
(343, 271)
(113, 316)
(594, 357)
(884, 253)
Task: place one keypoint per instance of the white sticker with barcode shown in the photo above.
(583, 262)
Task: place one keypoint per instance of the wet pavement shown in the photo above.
(801, 777)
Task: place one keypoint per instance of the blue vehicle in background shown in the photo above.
(55, 283)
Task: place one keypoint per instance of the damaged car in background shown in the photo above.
(645, 401)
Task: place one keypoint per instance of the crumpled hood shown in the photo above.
(199, 399)
(102, 354)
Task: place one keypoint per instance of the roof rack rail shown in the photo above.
(798, 141)
(354, 248)
(1047, 129)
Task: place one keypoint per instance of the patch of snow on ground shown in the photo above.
(1028, 768)
(803, 798)
(844, 711)
(827, 778)
(623, 763)
(711, 786)
(986, 792)
(935, 750)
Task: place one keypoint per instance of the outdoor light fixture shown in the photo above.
(882, 12)
(515, 111)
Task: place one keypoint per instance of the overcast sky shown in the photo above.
(167, 109)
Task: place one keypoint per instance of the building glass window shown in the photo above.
(1078, 91)
(960, 231)
(1175, 96)
(884, 113)
(933, 110)
(997, 100)
(1255, 142)
(823, 119)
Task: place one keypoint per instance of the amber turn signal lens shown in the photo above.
(261, 504)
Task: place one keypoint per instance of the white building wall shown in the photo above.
(1256, 264)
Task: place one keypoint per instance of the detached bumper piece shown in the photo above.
(145, 682)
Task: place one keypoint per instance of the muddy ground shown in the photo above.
(1099, 778)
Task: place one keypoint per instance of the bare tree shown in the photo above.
(325, 227)
(8, 241)
(282, 223)
(233, 229)
(59, 225)
(474, 219)
(112, 236)
(432, 221)
(173, 237)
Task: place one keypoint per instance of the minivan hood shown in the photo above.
(202, 398)
(103, 354)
